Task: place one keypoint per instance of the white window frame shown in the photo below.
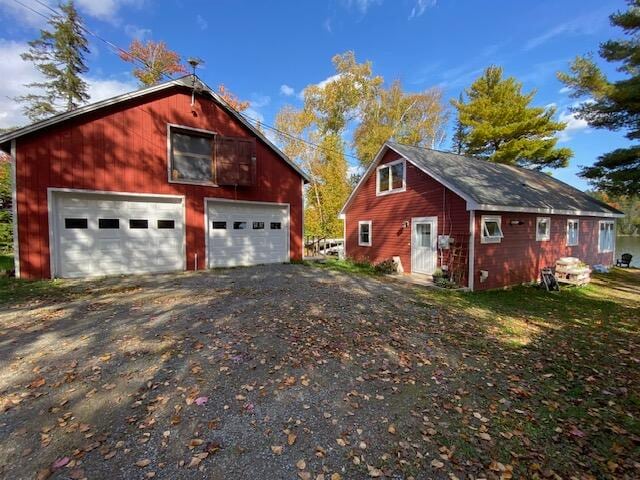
(490, 218)
(613, 235)
(404, 177)
(369, 224)
(173, 127)
(547, 237)
(577, 242)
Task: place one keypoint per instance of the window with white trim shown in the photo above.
(364, 233)
(573, 235)
(191, 155)
(491, 228)
(391, 177)
(543, 229)
(606, 236)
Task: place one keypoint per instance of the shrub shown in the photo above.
(386, 267)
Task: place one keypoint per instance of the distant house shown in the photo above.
(164, 178)
(489, 225)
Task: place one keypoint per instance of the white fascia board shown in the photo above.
(548, 211)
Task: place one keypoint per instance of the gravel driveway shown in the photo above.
(271, 372)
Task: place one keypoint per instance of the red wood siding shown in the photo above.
(424, 197)
(124, 149)
(519, 257)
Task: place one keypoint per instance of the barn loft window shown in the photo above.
(606, 236)
(364, 233)
(201, 157)
(543, 229)
(491, 229)
(391, 177)
(573, 235)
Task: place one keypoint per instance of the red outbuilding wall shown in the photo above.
(424, 197)
(519, 257)
(124, 149)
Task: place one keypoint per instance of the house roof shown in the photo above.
(188, 81)
(497, 187)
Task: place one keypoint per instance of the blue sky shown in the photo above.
(268, 51)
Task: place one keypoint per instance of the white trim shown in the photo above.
(302, 215)
(577, 221)
(490, 218)
(404, 177)
(472, 249)
(249, 202)
(434, 240)
(615, 241)
(370, 224)
(547, 237)
(613, 235)
(14, 207)
(186, 182)
(344, 236)
(548, 211)
(53, 226)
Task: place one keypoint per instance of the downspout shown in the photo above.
(472, 247)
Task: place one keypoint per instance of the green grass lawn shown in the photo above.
(6, 262)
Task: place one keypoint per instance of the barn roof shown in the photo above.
(188, 81)
(493, 186)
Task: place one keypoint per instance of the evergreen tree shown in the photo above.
(459, 133)
(59, 56)
(503, 128)
(613, 105)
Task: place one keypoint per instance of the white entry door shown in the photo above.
(424, 254)
(106, 234)
(246, 233)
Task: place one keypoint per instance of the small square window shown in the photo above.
(258, 225)
(166, 224)
(219, 225)
(108, 223)
(491, 230)
(137, 223)
(391, 177)
(239, 225)
(75, 223)
(276, 225)
(364, 233)
(543, 229)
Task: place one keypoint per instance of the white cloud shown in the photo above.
(258, 100)
(202, 23)
(136, 32)
(354, 170)
(327, 25)
(328, 80)
(574, 125)
(287, 91)
(420, 7)
(24, 73)
(564, 90)
(586, 24)
(362, 5)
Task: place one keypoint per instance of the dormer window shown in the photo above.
(391, 177)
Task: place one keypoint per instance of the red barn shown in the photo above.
(165, 178)
(489, 225)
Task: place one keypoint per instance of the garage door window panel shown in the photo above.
(138, 224)
(219, 225)
(108, 223)
(75, 223)
(166, 224)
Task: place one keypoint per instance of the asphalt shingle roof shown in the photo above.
(488, 183)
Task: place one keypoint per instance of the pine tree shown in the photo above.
(612, 105)
(59, 56)
(459, 132)
(502, 126)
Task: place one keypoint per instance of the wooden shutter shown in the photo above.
(235, 161)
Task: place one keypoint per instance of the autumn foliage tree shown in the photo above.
(153, 61)
(232, 99)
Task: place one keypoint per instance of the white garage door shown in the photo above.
(101, 234)
(247, 233)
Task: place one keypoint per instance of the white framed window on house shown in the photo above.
(543, 229)
(573, 232)
(606, 236)
(191, 155)
(391, 177)
(364, 233)
(491, 228)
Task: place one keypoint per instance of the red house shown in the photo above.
(489, 225)
(165, 178)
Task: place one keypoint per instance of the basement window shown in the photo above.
(191, 156)
(108, 223)
(75, 223)
(606, 236)
(491, 229)
(391, 178)
(364, 233)
(573, 232)
(543, 229)
(135, 223)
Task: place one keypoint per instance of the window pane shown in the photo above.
(542, 227)
(383, 179)
(276, 225)
(138, 223)
(187, 167)
(492, 228)
(397, 175)
(219, 225)
(423, 231)
(108, 223)
(75, 223)
(168, 224)
(186, 143)
(364, 233)
(239, 225)
(258, 225)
